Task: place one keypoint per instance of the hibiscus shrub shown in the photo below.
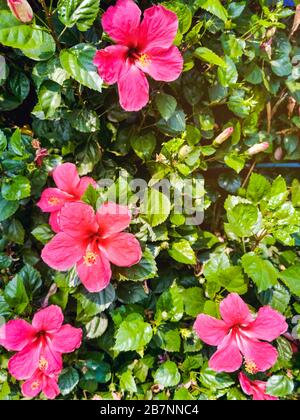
(110, 293)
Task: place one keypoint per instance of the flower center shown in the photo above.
(43, 364)
(35, 385)
(53, 201)
(250, 367)
(90, 258)
(142, 59)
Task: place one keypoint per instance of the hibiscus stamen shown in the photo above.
(90, 258)
(35, 385)
(53, 201)
(43, 364)
(144, 60)
(251, 367)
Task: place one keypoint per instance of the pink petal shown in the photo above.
(51, 360)
(95, 277)
(268, 325)
(16, 334)
(50, 387)
(67, 339)
(262, 354)
(49, 319)
(78, 221)
(246, 384)
(121, 22)
(162, 64)
(53, 199)
(54, 221)
(62, 252)
(83, 185)
(255, 388)
(234, 310)
(122, 249)
(133, 89)
(112, 218)
(110, 62)
(33, 386)
(158, 28)
(23, 364)
(228, 357)
(66, 178)
(210, 330)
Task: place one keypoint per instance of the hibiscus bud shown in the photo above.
(257, 148)
(278, 153)
(291, 106)
(223, 136)
(21, 9)
(184, 152)
(267, 47)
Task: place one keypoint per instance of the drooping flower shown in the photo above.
(70, 188)
(258, 148)
(141, 47)
(39, 345)
(42, 382)
(257, 389)
(21, 9)
(91, 242)
(239, 333)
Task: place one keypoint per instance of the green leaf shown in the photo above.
(145, 269)
(91, 304)
(43, 233)
(262, 272)
(15, 232)
(205, 54)
(167, 375)
(166, 105)
(16, 188)
(127, 382)
(182, 252)
(97, 326)
(78, 62)
(7, 208)
(291, 277)
(168, 338)
(68, 380)
(214, 7)
(258, 188)
(144, 145)
(156, 207)
(235, 162)
(49, 100)
(79, 12)
(133, 334)
(15, 295)
(194, 300)
(183, 395)
(84, 120)
(279, 386)
(131, 292)
(170, 305)
(243, 219)
(213, 380)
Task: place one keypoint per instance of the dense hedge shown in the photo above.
(230, 122)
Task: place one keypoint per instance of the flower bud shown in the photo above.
(223, 136)
(257, 148)
(21, 9)
(278, 153)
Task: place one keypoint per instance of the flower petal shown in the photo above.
(33, 386)
(112, 218)
(67, 339)
(255, 388)
(210, 330)
(16, 334)
(66, 177)
(53, 199)
(62, 252)
(78, 221)
(263, 355)
(246, 384)
(268, 325)
(235, 311)
(52, 358)
(50, 387)
(163, 64)
(122, 249)
(83, 185)
(54, 221)
(158, 28)
(228, 357)
(121, 22)
(49, 319)
(95, 277)
(110, 62)
(23, 364)
(133, 88)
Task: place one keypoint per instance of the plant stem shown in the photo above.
(50, 23)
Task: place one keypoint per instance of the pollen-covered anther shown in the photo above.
(144, 60)
(250, 367)
(35, 385)
(43, 364)
(53, 201)
(90, 258)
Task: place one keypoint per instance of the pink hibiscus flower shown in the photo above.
(40, 345)
(41, 382)
(91, 242)
(255, 388)
(70, 188)
(141, 47)
(21, 9)
(239, 333)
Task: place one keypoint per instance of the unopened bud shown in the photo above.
(21, 9)
(257, 148)
(184, 152)
(278, 153)
(223, 136)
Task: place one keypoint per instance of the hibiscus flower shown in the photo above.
(141, 47)
(70, 188)
(91, 242)
(39, 345)
(257, 389)
(239, 333)
(21, 9)
(41, 382)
